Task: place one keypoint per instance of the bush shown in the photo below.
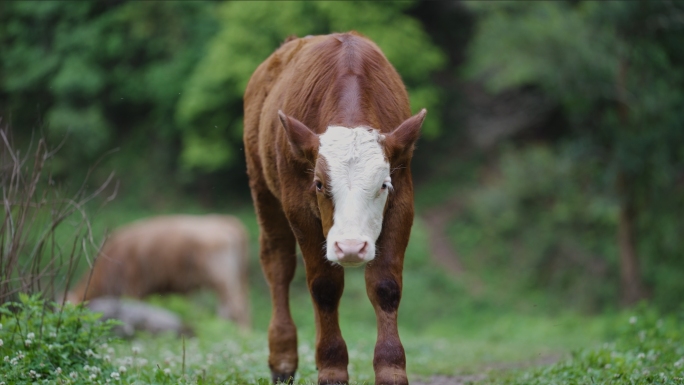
(649, 349)
(44, 230)
(40, 341)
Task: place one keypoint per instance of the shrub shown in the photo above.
(649, 349)
(44, 231)
(42, 342)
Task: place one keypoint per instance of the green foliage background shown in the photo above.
(538, 214)
(154, 89)
(211, 106)
(616, 71)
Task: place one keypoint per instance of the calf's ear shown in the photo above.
(304, 142)
(401, 141)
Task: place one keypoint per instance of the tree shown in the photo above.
(165, 79)
(210, 109)
(105, 73)
(616, 69)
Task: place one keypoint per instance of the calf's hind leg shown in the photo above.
(278, 261)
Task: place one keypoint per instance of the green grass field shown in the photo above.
(446, 328)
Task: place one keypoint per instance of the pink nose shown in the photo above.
(351, 250)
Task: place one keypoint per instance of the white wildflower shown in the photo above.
(167, 371)
(86, 368)
(53, 334)
(93, 376)
(28, 343)
(6, 359)
(58, 370)
(73, 375)
(632, 320)
(0, 326)
(679, 363)
(136, 349)
(32, 373)
(89, 352)
(1, 343)
(641, 355)
(31, 336)
(115, 375)
(122, 369)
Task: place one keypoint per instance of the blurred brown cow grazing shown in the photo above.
(174, 254)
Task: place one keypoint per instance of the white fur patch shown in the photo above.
(357, 171)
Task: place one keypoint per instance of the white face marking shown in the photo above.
(358, 181)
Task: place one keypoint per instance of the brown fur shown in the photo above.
(318, 81)
(174, 254)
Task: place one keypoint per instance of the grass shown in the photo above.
(445, 328)
(647, 348)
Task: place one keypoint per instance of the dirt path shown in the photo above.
(441, 250)
(451, 380)
(443, 253)
(484, 372)
(436, 220)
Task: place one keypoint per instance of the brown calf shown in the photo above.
(174, 254)
(329, 140)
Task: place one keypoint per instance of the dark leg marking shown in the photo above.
(389, 295)
(389, 353)
(326, 294)
(333, 354)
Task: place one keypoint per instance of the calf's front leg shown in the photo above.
(384, 291)
(384, 286)
(326, 284)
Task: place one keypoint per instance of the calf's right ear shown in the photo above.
(401, 141)
(304, 142)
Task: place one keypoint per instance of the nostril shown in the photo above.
(338, 250)
(364, 248)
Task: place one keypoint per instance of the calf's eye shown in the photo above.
(319, 185)
(384, 186)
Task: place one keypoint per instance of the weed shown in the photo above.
(648, 349)
(42, 342)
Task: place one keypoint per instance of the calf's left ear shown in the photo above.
(401, 140)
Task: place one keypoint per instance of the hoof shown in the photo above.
(282, 378)
(333, 377)
(391, 376)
